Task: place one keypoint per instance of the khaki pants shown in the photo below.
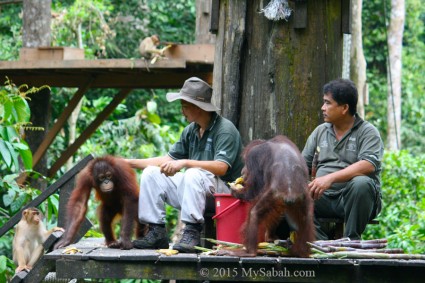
(185, 191)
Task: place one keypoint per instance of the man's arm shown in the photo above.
(319, 185)
(143, 163)
(218, 168)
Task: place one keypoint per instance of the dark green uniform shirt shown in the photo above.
(221, 141)
(361, 142)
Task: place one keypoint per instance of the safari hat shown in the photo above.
(197, 92)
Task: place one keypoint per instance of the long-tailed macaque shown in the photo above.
(148, 48)
(30, 234)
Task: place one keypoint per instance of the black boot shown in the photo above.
(191, 237)
(156, 238)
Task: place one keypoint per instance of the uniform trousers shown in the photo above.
(186, 191)
(357, 202)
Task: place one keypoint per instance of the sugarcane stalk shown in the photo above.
(319, 248)
(330, 242)
(373, 241)
(224, 243)
(354, 244)
(202, 249)
(359, 255)
(364, 246)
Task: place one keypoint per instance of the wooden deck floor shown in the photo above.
(97, 261)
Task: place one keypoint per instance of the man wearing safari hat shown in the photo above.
(209, 149)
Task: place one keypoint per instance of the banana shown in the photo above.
(71, 251)
(167, 252)
(238, 184)
(239, 181)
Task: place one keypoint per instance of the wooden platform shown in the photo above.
(96, 261)
(182, 62)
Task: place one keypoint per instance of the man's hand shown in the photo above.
(170, 168)
(319, 185)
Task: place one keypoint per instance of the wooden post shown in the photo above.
(268, 75)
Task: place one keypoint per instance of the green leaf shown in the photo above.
(18, 203)
(20, 146)
(6, 110)
(9, 197)
(5, 153)
(14, 155)
(153, 118)
(3, 263)
(21, 110)
(12, 134)
(26, 156)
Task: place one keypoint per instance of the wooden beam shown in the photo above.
(113, 79)
(89, 131)
(51, 135)
(346, 16)
(192, 53)
(93, 64)
(215, 15)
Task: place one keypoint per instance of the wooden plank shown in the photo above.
(192, 53)
(215, 15)
(51, 135)
(89, 131)
(287, 270)
(44, 195)
(51, 53)
(93, 64)
(41, 268)
(18, 277)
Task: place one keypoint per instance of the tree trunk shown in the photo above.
(36, 23)
(268, 75)
(357, 59)
(36, 32)
(395, 41)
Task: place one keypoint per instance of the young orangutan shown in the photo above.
(275, 181)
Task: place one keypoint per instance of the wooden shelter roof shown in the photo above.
(53, 67)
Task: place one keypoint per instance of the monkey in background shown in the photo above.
(148, 48)
(30, 234)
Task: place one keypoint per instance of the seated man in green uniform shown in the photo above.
(209, 149)
(350, 150)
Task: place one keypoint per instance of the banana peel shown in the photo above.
(71, 251)
(168, 252)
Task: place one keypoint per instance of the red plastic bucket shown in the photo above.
(231, 214)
